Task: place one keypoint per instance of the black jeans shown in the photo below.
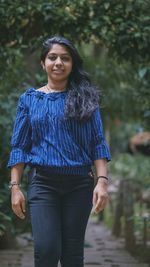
(59, 207)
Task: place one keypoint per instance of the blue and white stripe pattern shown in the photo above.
(42, 136)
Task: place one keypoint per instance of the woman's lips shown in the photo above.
(58, 71)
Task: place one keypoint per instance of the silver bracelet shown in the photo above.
(11, 184)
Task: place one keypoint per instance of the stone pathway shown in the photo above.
(101, 249)
(105, 250)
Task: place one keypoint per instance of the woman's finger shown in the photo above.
(23, 205)
(98, 203)
(101, 203)
(18, 211)
(94, 198)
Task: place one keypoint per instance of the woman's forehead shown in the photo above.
(58, 49)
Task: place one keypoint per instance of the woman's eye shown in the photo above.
(52, 58)
(65, 59)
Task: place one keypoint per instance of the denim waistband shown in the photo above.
(71, 170)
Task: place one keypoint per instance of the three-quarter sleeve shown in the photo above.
(21, 137)
(99, 146)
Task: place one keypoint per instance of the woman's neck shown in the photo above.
(60, 86)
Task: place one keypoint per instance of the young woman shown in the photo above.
(58, 133)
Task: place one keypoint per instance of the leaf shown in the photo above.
(1, 233)
(4, 216)
(2, 226)
(24, 22)
(142, 72)
(106, 5)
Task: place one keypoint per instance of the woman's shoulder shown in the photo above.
(30, 92)
(26, 97)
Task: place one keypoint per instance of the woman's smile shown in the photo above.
(58, 71)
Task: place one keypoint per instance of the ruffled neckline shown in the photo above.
(51, 95)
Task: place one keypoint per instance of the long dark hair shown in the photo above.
(82, 97)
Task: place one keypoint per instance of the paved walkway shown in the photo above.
(101, 249)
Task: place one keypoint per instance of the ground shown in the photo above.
(101, 249)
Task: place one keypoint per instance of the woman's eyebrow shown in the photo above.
(55, 54)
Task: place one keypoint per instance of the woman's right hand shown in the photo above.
(18, 202)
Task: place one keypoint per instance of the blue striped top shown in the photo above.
(42, 136)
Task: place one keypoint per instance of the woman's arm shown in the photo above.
(100, 195)
(17, 197)
(19, 155)
(100, 157)
(101, 168)
(21, 137)
(16, 172)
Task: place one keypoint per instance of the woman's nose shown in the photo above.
(58, 61)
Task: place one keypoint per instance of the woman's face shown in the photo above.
(58, 63)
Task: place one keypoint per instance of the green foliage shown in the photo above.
(122, 26)
(4, 209)
(142, 93)
(12, 84)
(124, 86)
(25, 23)
(121, 132)
(117, 85)
(135, 167)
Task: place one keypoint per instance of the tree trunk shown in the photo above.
(128, 210)
(116, 230)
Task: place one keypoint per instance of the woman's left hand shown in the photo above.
(100, 197)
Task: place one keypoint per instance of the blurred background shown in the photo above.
(113, 37)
